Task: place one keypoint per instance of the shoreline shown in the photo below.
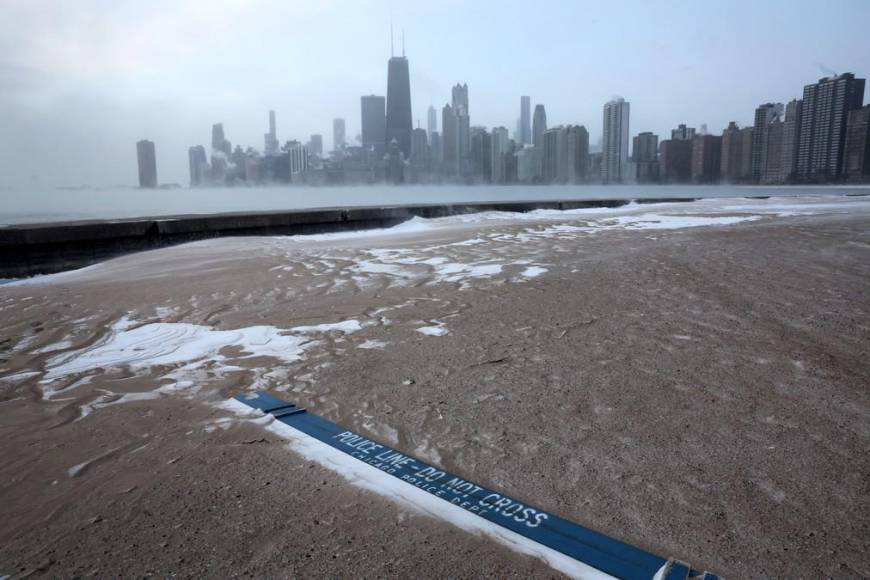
(51, 247)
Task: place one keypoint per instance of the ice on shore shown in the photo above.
(176, 343)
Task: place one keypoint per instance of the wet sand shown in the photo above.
(692, 380)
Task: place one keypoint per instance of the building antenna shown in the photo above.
(392, 50)
(403, 43)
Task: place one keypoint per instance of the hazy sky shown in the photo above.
(81, 81)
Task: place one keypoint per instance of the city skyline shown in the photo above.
(699, 76)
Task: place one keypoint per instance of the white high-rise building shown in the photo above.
(614, 153)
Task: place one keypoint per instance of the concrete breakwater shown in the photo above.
(30, 249)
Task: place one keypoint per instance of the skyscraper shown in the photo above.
(419, 149)
(764, 116)
(449, 140)
(615, 141)
(463, 120)
(432, 122)
(460, 99)
(554, 156)
(856, 167)
(198, 165)
(481, 154)
(539, 125)
(824, 115)
(270, 139)
(525, 120)
(500, 146)
(337, 134)
(147, 163)
(398, 122)
(218, 141)
(373, 121)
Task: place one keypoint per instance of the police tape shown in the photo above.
(591, 548)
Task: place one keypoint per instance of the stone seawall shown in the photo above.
(30, 249)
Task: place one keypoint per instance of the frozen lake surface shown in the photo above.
(37, 205)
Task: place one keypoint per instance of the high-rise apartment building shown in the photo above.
(856, 166)
(683, 133)
(399, 120)
(147, 163)
(645, 155)
(736, 163)
(772, 171)
(824, 116)
(706, 158)
(373, 119)
(791, 131)
(615, 141)
(675, 160)
(764, 116)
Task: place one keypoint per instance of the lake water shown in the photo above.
(19, 206)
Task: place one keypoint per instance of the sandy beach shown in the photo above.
(690, 378)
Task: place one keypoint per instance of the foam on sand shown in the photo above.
(373, 479)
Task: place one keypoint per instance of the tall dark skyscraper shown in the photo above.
(824, 115)
(147, 164)
(398, 122)
(525, 120)
(539, 126)
(374, 122)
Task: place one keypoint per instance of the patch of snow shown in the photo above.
(373, 344)
(432, 330)
(533, 272)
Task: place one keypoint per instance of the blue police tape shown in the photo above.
(592, 548)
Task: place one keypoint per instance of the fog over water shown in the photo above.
(19, 206)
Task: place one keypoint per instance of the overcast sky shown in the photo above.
(81, 81)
